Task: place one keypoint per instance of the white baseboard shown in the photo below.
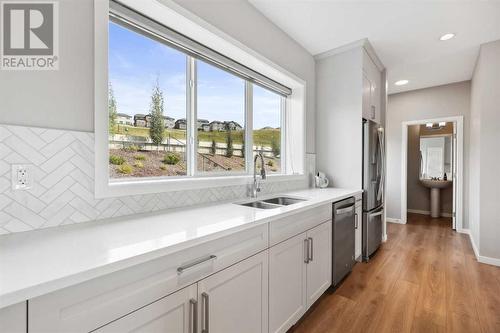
(480, 258)
(391, 220)
(426, 212)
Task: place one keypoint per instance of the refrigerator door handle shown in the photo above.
(376, 214)
(380, 192)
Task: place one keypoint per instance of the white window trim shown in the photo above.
(179, 19)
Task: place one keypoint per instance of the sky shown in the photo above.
(136, 62)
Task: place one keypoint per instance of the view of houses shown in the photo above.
(144, 120)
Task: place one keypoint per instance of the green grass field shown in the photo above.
(263, 137)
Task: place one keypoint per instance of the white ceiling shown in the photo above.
(404, 33)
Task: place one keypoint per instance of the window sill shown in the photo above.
(150, 186)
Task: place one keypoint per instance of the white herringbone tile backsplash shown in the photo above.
(64, 183)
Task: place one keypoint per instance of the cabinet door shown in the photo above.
(319, 268)
(175, 313)
(13, 318)
(236, 298)
(367, 98)
(375, 98)
(371, 73)
(358, 232)
(287, 283)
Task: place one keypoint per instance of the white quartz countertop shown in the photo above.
(38, 262)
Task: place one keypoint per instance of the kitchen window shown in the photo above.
(179, 112)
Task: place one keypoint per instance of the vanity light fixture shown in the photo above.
(401, 82)
(447, 36)
(436, 126)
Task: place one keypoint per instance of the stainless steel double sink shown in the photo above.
(272, 203)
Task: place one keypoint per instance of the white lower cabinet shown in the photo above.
(358, 231)
(92, 304)
(232, 300)
(287, 281)
(236, 299)
(174, 313)
(234, 284)
(13, 318)
(319, 268)
(299, 272)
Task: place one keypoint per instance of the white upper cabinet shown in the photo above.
(372, 92)
(236, 299)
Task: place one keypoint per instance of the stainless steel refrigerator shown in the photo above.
(373, 186)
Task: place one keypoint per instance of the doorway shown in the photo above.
(440, 149)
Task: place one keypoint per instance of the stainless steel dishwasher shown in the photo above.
(343, 239)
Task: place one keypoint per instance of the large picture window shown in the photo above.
(177, 113)
(174, 114)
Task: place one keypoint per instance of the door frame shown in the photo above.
(458, 161)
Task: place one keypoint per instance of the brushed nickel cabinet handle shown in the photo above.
(306, 250)
(194, 263)
(311, 252)
(356, 221)
(205, 313)
(193, 314)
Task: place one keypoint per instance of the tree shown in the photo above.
(243, 145)
(214, 147)
(229, 141)
(276, 145)
(112, 110)
(157, 124)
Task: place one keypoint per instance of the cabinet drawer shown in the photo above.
(171, 314)
(295, 224)
(91, 304)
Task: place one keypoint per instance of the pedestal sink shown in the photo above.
(435, 186)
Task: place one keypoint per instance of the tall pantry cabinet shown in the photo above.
(350, 86)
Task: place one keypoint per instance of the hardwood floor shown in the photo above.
(425, 278)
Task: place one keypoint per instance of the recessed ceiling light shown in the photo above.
(447, 37)
(401, 82)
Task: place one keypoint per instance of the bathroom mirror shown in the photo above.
(436, 155)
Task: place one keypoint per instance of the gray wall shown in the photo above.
(57, 99)
(242, 21)
(485, 136)
(64, 98)
(418, 196)
(442, 101)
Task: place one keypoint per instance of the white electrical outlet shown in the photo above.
(22, 176)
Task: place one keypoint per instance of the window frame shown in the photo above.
(106, 187)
